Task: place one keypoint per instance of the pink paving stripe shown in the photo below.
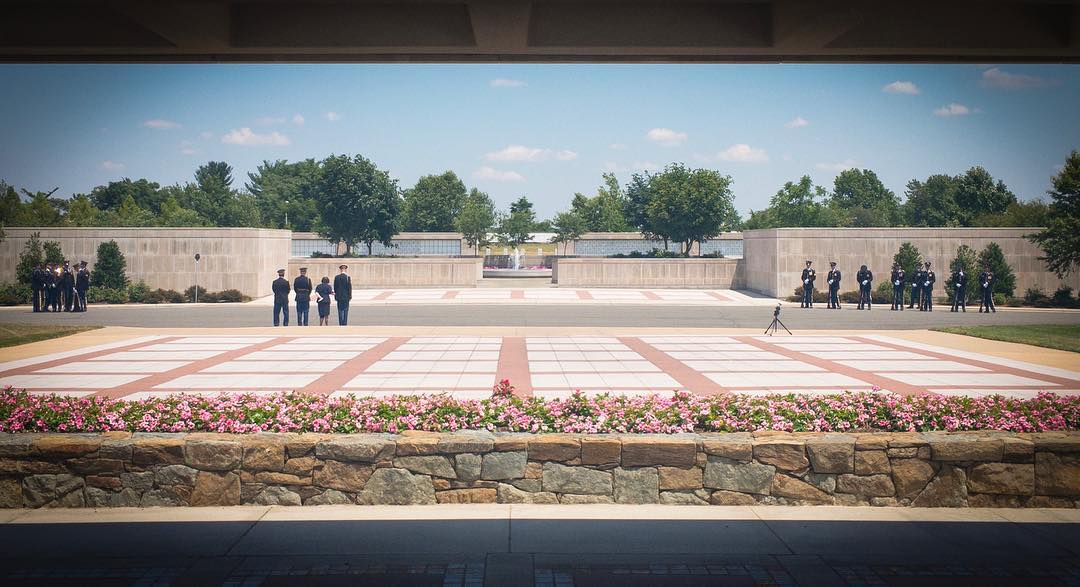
(517, 294)
(514, 364)
(383, 295)
(148, 383)
(336, 379)
(67, 360)
(719, 296)
(651, 295)
(584, 295)
(994, 367)
(450, 294)
(865, 376)
(695, 381)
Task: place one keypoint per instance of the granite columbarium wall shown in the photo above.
(905, 469)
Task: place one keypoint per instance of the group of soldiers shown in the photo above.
(921, 280)
(341, 291)
(55, 287)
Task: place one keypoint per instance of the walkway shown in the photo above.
(548, 546)
(551, 295)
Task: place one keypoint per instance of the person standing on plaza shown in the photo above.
(986, 291)
(323, 291)
(302, 287)
(916, 287)
(834, 286)
(52, 291)
(67, 287)
(808, 276)
(37, 286)
(280, 287)
(343, 294)
(865, 277)
(897, 278)
(928, 288)
(959, 282)
(82, 284)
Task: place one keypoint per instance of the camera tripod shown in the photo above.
(771, 330)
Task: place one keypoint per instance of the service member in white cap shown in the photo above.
(281, 290)
(342, 293)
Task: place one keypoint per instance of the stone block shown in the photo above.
(947, 489)
(263, 453)
(1017, 450)
(602, 451)
(498, 466)
(563, 479)
(574, 499)
(964, 448)
(303, 445)
(831, 456)
(465, 442)
(554, 448)
(300, 466)
(274, 495)
(506, 442)
(1057, 443)
(175, 475)
(872, 462)
(676, 478)
(394, 486)
(531, 485)
(724, 497)
(699, 497)
(534, 470)
(329, 497)
(902, 453)
(441, 484)
(213, 455)
(139, 482)
(721, 473)
(418, 445)
(467, 466)
(119, 449)
(64, 446)
(647, 451)
(93, 465)
(866, 485)
(216, 489)
(16, 445)
(1057, 474)
(792, 488)
(873, 441)
(110, 483)
(910, 476)
(342, 476)
(435, 466)
(467, 496)
(783, 453)
(356, 449)
(11, 493)
(170, 496)
(276, 478)
(510, 494)
(736, 446)
(636, 485)
(148, 452)
(1002, 478)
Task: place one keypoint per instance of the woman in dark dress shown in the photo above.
(323, 291)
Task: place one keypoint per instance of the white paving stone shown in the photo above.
(866, 355)
(855, 346)
(62, 393)
(967, 379)
(51, 381)
(726, 355)
(763, 366)
(116, 367)
(274, 367)
(246, 381)
(299, 355)
(156, 355)
(923, 365)
(794, 380)
(199, 346)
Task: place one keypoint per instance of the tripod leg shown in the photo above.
(777, 320)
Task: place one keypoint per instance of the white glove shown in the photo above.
(896, 283)
(830, 282)
(865, 282)
(986, 285)
(926, 283)
(806, 282)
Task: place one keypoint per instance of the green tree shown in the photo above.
(53, 253)
(175, 215)
(40, 210)
(129, 214)
(476, 219)
(794, 205)
(10, 205)
(568, 228)
(433, 203)
(109, 269)
(604, 212)
(31, 256)
(1060, 241)
(515, 227)
(214, 177)
(239, 210)
(1017, 214)
(932, 203)
(147, 194)
(357, 202)
(993, 258)
(862, 200)
(285, 189)
(978, 194)
(82, 212)
(967, 259)
(908, 258)
(688, 206)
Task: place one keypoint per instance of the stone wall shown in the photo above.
(231, 258)
(932, 469)
(685, 272)
(395, 272)
(775, 257)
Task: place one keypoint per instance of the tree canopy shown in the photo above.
(685, 205)
(1060, 241)
(357, 201)
(476, 220)
(433, 203)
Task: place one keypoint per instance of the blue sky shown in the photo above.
(545, 131)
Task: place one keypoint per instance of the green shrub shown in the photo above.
(1001, 299)
(14, 294)
(819, 296)
(110, 266)
(189, 294)
(164, 296)
(106, 295)
(1034, 296)
(1063, 297)
(137, 292)
(849, 297)
(232, 296)
(320, 255)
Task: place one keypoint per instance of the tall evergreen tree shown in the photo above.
(994, 258)
(1060, 241)
(110, 267)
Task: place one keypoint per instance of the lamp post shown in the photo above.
(286, 213)
(197, 257)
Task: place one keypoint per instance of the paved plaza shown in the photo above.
(552, 295)
(467, 366)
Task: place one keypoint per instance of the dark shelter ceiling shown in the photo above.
(541, 30)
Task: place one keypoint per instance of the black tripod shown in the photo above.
(771, 330)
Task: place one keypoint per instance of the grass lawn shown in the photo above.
(16, 334)
(1054, 336)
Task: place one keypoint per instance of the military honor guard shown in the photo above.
(302, 287)
(927, 294)
(808, 277)
(82, 284)
(897, 278)
(916, 287)
(52, 288)
(959, 281)
(37, 287)
(834, 286)
(986, 291)
(67, 287)
(865, 277)
(343, 295)
(280, 287)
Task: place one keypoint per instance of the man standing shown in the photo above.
(865, 277)
(928, 288)
(280, 287)
(808, 277)
(959, 282)
(82, 283)
(343, 293)
(52, 291)
(986, 291)
(67, 287)
(834, 286)
(37, 285)
(897, 279)
(916, 287)
(302, 286)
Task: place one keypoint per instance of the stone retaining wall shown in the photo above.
(639, 272)
(932, 469)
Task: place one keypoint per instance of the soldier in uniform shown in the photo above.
(916, 287)
(82, 283)
(959, 281)
(897, 278)
(37, 285)
(834, 286)
(986, 291)
(865, 277)
(343, 294)
(52, 292)
(302, 286)
(808, 276)
(928, 288)
(280, 287)
(67, 287)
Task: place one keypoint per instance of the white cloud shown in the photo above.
(161, 124)
(998, 78)
(269, 120)
(617, 147)
(953, 109)
(666, 137)
(524, 153)
(901, 87)
(565, 155)
(502, 82)
(206, 135)
(297, 119)
(245, 137)
(837, 167)
(333, 116)
(742, 153)
(112, 166)
(490, 173)
(797, 122)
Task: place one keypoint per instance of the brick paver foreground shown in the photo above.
(550, 366)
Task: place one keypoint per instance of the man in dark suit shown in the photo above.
(865, 277)
(959, 281)
(897, 278)
(928, 288)
(986, 291)
(82, 284)
(833, 279)
(280, 287)
(916, 287)
(67, 287)
(52, 292)
(37, 286)
(808, 276)
(343, 293)
(302, 286)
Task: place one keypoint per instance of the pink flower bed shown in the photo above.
(679, 412)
